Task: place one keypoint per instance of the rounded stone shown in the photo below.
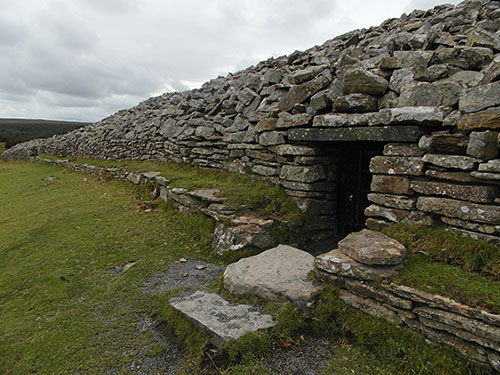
(372, 248)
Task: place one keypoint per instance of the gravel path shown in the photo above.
(305, 358)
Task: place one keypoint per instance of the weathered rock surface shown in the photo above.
(481, 194)
(372, 248)
(278, 274)
(220, 320)
(337, 263)
(480, 97)
(465, 163)
(397, 165)
(460, 209)
(483, 145)
(359, 80)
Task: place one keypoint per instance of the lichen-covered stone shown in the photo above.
(355, 103)
(359, 80)
(287, 120)
(429, 94)
(394, 165)
(403, 149)
(395, 201)
(474, 193)
(271, 138)
(460, 209)
(391, 185)
(490, 166)
(373, 134)
(480, 97)
(397, 215)
(465, 163)
(221, 320)
(306, 74)
(417, 115)
(337, 263)
(444, 142)
(306, 174)
(483, 145)
(277, 274)
(470, 58)
(372, 248)
(298, 94)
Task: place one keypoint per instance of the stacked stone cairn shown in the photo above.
(425, 85)
(367, 256)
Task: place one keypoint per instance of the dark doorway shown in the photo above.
(353, 184)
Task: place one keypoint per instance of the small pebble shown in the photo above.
(182, 260)
(200, 267)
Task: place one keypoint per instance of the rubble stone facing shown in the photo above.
(426, 86)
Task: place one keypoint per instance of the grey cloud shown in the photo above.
(85, 59)
(427, 4)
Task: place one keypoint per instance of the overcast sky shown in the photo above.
(86, 59)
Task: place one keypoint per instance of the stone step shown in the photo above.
(364, 255)
(279, 274)
(221, 320)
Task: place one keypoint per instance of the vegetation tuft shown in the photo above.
(479, 257)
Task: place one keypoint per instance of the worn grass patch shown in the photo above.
(61, 311)
(264, 197)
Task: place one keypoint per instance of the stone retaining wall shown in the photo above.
(425, 85)
(472, 332)
(236, 227)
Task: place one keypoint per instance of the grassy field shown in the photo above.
(62, 312)
(2, 147)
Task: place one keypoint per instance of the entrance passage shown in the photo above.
(353, 184)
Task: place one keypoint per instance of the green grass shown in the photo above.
(446, 263)
(471, 289)
(2, 147)
(368, 345)
(474, 256)
(264, 197)
(60, 310)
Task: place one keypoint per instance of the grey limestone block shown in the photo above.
(221, 320)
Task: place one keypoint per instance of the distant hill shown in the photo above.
(13, 131)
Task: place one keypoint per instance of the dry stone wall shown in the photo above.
(425, 86)
(360, 268)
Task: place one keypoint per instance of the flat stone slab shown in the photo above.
(375, 133)
(278, 274)
(337, 263)
(372, 248)
(221, 320)
(209, 195)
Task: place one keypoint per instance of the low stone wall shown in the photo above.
(236, 227)
(361, 267)
(472, 332)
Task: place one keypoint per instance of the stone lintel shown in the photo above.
(372, 133)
